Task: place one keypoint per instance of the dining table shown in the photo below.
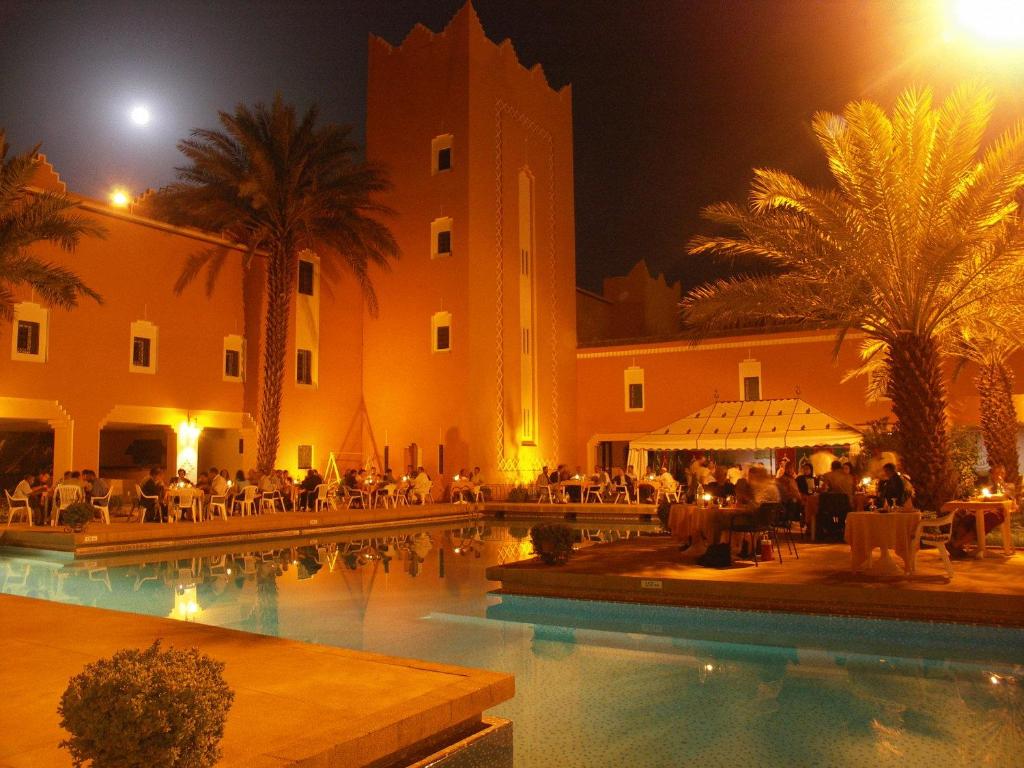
(978, 507)
(698, 526)
(886, 531)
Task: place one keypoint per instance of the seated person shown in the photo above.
(805, 480)
(154, 486)
(307, 489)
(839, 481)
(760, 488)
(666, 482)
(218, 484)
(892, 493)
(543, 479)
(182, 478)
(95, 487)
(420, 489)
(965, 523)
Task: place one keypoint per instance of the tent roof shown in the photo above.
(750, 425)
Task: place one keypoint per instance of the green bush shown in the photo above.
(152, 708)
(552, 542)
(78, 514)
(518, 495)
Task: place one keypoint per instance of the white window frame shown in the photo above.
(31, 312)
(440, 320)
(444, 141)
(750, 369)
(233, 343)
(438, 225)
(143, 329)
(634, 375)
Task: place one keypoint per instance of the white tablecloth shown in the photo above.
(885, 530)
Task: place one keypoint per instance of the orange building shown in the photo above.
(473, 360)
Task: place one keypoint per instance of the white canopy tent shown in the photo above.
(746, 425)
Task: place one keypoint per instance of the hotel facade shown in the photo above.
(473, 359)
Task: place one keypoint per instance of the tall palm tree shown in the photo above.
(918, 230)
(280, 185)
(989, 341)
(26, 217)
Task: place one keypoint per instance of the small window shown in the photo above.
(444, 339)
(441, 237)
(444, 242)
(633, 378)
(305, 277)
(232, 364)
(28, 337)
(636, 397)
(141, 350)
(751, 387)
(144, 347)
(441, 331)
(304, 367)
(441, 153)
(29, 332)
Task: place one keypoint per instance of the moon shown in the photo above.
(140, 115)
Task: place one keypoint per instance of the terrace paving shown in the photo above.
(651, 569)
(295, 703)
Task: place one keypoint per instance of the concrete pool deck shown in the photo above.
(296, 704)
(126, 536)
(651, 569)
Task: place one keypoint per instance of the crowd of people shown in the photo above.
(38, 490)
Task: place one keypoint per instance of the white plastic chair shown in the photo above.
(622, 493)
(141, 498)
(545, 491)
(270, 500)
(593, 494)
(218, 504)
(930, 533)
(17, 506)
(245, 503)
(63, 497)
(185, 498)
(102, 505)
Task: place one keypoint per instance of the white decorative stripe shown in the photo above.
(652, 349)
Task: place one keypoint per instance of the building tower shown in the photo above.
(474, 346)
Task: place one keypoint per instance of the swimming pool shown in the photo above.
(598, 684)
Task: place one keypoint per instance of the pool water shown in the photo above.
(598, 684)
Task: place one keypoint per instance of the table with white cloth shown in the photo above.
(978, 507)
(699, 526)
(887, 531)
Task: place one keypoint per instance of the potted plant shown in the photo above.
(552, 542)
(78, 515)
(154, 708)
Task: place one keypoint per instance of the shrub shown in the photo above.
(116, 502)
(552, 542)
(153, 708)
(78, 514)
(519, 494)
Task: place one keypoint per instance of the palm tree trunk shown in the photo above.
(280, 277)
(918, 394)
(999, 417)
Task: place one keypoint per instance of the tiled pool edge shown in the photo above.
(951, 607)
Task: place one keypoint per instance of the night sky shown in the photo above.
(674, 101)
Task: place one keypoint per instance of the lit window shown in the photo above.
(304, 366)
(441, 331)
(441, 237)
(305, 277)
(28, 337)
(144, 347)
(441, 153)
(634, 381)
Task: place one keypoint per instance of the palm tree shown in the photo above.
(29, 216)
(280, 185)
(918, 231)
(989, 341)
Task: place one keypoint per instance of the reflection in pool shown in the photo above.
(598, 684)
